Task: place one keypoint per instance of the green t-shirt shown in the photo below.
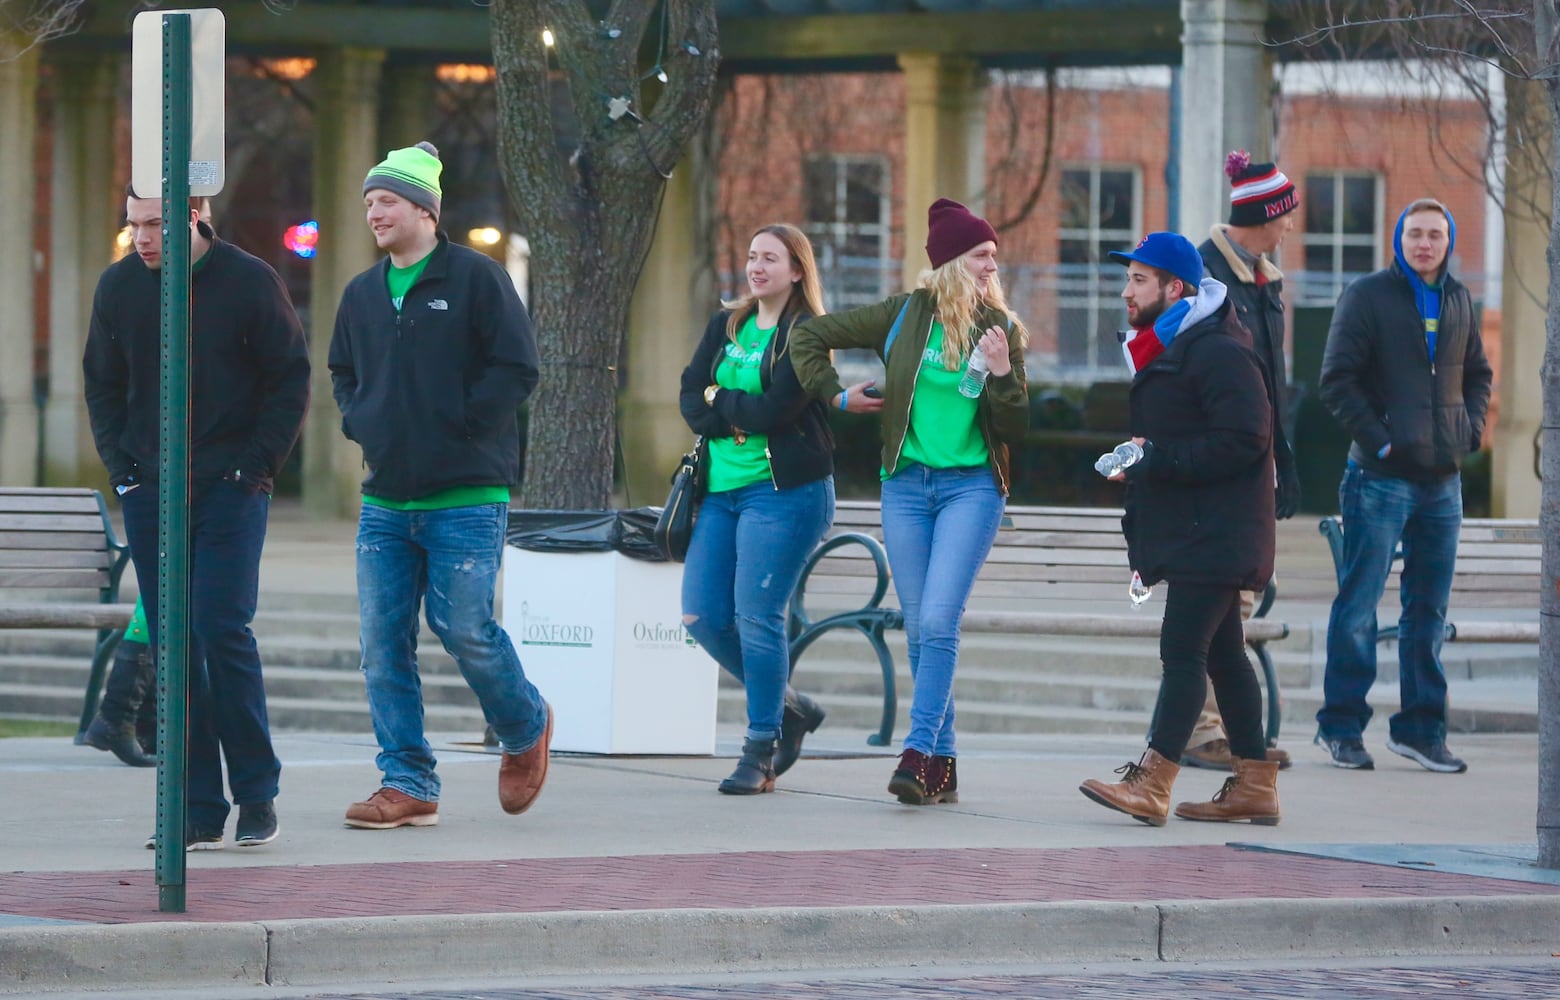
(137, 631)
(455, 496)
(942, 433)
(733, 465)
(401, 279)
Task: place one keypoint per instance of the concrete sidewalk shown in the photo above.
(638, 865)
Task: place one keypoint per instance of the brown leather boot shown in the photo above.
(1250, 794)
(1143, 791)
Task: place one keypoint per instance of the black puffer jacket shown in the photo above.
(1381, 384)
(1199, 507)
(801, 446)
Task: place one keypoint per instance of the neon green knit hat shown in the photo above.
(413, 173)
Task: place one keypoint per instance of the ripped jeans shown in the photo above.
(747, 552)
(448, 559)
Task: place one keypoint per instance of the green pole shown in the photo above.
(173, 487)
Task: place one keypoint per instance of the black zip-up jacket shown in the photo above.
(1199, 506)
(1260, 308)
(801, 446)
(1379, 380)
(432, 392)
(248, 370)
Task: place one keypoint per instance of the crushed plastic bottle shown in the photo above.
(1138, 591)
(1127, 453)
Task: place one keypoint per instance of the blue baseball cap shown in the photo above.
(1169, 252)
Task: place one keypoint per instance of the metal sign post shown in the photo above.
(178, 173)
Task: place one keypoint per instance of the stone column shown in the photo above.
(945, 143)
(18, 124)
(1226, 103)
(671, 304)
(346, 145)
(84, 205)
(1514, 484)
(406, 115)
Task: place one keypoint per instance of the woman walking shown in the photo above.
(770, 496)
(953, 399)
(1200, 515)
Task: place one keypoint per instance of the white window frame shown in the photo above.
(1098, 290)
(1324, 287)
(829, 234)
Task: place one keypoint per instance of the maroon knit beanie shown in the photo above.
(952, 230)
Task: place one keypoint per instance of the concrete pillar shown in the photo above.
(945, 143)
(1226, 103)
(18, 124)
(346, 145)
(1514, 483)
(671, 304)
(85, 204)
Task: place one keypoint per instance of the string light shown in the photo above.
(660, 74)
(547, 37)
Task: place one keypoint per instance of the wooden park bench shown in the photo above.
(1499, 565)
(56, 547)
(1050, 555)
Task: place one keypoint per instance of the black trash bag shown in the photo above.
(631, 532)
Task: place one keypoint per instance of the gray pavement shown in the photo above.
(635, 865)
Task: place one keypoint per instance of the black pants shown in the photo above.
(1202, 640)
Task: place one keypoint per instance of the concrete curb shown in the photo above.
(316, 952)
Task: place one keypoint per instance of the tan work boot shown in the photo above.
(1143, 791)
(1251, 794)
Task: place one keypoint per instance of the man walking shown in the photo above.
(1404, 371)
(249, 389)
(431, 358)
(1238, 255)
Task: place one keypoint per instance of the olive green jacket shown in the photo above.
(1003, 407)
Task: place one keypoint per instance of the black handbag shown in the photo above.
(674, 528)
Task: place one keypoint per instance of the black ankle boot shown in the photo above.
(909, 781)
(802, 716)
(118, 739)
(755, 772)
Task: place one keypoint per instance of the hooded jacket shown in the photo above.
(1388, 381)
(1002, 410)
(801, 445)
(248, 363)
(1256, 293)
(432, 392)
(1199, 505)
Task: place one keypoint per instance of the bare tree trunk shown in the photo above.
(584, 160)
(1546, 24)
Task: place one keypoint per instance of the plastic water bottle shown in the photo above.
(974, 379)
(1127, 453)
(1138, 592)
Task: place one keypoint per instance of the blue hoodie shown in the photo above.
(1426, 297)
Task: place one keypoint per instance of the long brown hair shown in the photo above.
(806, 294)
(958, 301)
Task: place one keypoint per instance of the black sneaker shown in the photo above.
(1432, 756)
(1348, 753)
(256, 825)
(194, 840)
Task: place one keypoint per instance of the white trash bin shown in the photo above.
(600, 634)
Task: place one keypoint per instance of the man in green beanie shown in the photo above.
(431, 358)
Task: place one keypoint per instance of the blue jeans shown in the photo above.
(1378, 511)
(450, 559)
(938, 526)
(227, 713)
(747, 552)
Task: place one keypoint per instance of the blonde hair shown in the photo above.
(957, 303)
(806, 294)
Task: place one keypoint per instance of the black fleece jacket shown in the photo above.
(801, 446)
(432, 393)
(248, 369)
